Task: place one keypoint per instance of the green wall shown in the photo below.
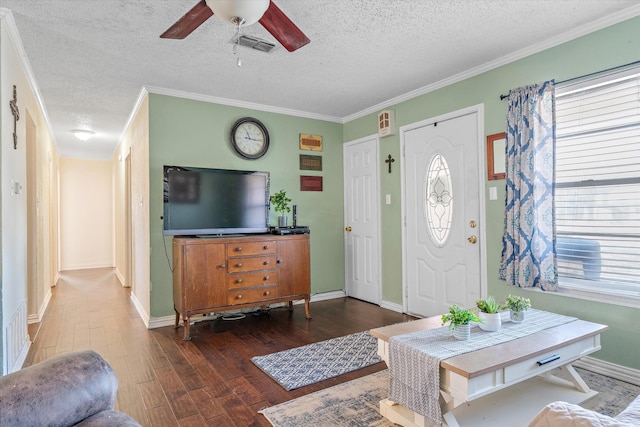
(613, 46)
(192, 133)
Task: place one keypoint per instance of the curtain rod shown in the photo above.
(503, 97)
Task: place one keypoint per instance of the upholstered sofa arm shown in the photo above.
(62, 391)
(563, 414)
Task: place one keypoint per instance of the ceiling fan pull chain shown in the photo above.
(236, 51)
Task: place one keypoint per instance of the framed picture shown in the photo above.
(496, 144)
(310, 183)
(310, 142)
(310, 163)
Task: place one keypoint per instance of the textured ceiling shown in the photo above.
(90, 58)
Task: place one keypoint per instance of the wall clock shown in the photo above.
(249, 138)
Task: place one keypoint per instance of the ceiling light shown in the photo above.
(247, 12)
(83, 134)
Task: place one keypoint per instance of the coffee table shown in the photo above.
(505, 384)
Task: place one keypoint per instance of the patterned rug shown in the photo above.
(355, 403)
(315, 362)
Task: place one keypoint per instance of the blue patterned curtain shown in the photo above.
(528, 243)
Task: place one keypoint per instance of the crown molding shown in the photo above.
(9, 24)
(240, 104)
(577, 32)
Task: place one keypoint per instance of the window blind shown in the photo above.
(597, 199)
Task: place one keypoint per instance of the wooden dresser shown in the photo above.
(227, 273)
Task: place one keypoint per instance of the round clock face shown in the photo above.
(249, 138)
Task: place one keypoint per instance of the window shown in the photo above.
(597, 197)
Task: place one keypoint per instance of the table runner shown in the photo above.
(414, 359)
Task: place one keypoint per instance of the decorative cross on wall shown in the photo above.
(13, 104)
(389, 161)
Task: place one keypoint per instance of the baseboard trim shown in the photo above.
(160, 322)
(323, 296)
(609, 369)
(391, 306)
(143, 314)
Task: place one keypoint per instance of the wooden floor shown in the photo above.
(207, 381)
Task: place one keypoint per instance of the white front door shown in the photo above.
(361, 213)
(442, 206)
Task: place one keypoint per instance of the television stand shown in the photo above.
(228, 273)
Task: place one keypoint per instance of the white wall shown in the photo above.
(15, 70)
(86, 214)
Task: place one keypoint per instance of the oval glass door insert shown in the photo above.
(438, 200)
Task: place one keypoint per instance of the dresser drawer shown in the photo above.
(251, 248)
(239, 265)
(245, 295)
(245, 280)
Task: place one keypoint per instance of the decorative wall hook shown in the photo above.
(389, 161)
(13, 104)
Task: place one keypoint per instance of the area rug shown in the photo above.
(355, 403)
(319, 361)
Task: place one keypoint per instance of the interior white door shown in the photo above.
(361, 213)
(442, 214)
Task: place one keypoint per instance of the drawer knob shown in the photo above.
(266, 263)
(267, 293)
(239, 296)
(266, 278)
(222, 266)
(265, 247)
(238, 280)
(239, 265)
(279, 261)
(238, 249)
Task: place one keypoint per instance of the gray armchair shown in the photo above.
(75, 389)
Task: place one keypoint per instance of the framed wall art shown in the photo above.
(496, 144)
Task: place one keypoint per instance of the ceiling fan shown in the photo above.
(241, 13)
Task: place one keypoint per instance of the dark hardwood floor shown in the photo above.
(208, 381)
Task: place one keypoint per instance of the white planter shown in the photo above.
(462, 332)
(516, 316)
(491, 321)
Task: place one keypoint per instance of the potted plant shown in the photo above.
(490, 314)
(518, 306)
(280, 203)
(460, 321)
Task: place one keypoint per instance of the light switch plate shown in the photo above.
(493, 193)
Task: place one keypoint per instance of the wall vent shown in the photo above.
(254, 43)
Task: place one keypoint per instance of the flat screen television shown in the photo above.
(203, 201)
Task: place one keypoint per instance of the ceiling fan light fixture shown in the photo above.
(82, 134)
(236, 10)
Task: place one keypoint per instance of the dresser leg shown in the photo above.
(186, 323)
(177, 325)
(307, 311)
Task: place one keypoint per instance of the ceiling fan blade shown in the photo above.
(189, 22)
(283, 29)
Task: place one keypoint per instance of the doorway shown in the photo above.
(361, 219)
(443, 239)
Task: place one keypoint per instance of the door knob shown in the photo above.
(473, 224)
(472, 239)
(348, 228)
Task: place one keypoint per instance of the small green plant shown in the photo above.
(459, 316)
(280, 201)
(517, 303)
(488, 305)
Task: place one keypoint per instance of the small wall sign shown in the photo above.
(310, 163)
(310, 142)
(310, 183)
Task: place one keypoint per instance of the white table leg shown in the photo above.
(576, 379)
